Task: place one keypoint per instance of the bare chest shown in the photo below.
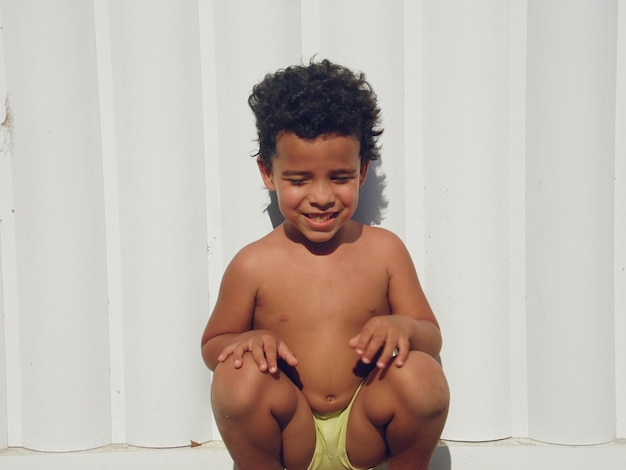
(315, 308)
(341, 295)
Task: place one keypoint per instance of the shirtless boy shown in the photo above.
(321, 340)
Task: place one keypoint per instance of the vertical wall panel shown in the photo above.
(111, 216)
(413, 123)
(620, 224)
(570, 171)
(10, 397)
(361, 35)
(215, 267)
(51, 75)
(157, 97)
(517, 218)
(310, 16)
(5, 197)
(246, 49)
(4, 424)
(466, 66)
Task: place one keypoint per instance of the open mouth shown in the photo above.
(321, 217)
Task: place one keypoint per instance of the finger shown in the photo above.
(403, 352)
(359, 344)
(286, 355)
(386, 355)
(269, 348)
(377, 341)
(361, 341)
(226, 352)
(258, 354)
(237, 356)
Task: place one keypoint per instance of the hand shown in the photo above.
(384, 334)
(265, 348)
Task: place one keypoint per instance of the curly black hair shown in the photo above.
(313, 100)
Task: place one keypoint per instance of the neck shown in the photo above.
(349, 233)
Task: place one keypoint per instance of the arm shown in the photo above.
(407, 299)
(411, 325)
(233, 312)
(229, 332)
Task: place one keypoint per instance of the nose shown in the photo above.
(321, 194)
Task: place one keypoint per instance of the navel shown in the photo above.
(330, 398)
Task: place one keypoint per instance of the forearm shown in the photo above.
(424, 336)
(213, 347)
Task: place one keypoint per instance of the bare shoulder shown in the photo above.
(379, 233)
(256, 254)
(404, 291)
(240, 284)
(383, 241)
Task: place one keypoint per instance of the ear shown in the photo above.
(266, 174)
(363, 173)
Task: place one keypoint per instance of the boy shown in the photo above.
(321, 340)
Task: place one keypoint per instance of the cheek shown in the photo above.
(288, 196)
(349, 193)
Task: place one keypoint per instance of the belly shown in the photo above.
(330, 378)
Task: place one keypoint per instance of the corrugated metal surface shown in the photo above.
(126, 185)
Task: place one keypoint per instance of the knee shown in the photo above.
(424, 385)
(236, 391)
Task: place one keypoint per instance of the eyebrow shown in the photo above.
(295, 173)
(341, 171)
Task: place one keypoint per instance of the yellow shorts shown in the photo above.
(330, 440)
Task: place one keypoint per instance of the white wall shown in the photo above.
(126, 185)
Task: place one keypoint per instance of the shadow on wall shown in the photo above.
(372, 202)
(440, 461)
(441, 458)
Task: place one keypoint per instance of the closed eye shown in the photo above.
(343, 176)
(297, 182)
(342, 179)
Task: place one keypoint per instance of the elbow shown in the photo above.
(436, 341)
(207, 355)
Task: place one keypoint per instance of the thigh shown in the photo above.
(365, 439)
(261, 402)
(393, 404)
(298, 433)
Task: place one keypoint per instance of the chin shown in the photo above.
(321, 238)
(318, 237)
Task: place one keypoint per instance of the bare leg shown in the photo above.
(399, 412)
(264, 419)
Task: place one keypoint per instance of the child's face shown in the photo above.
(316, 182)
